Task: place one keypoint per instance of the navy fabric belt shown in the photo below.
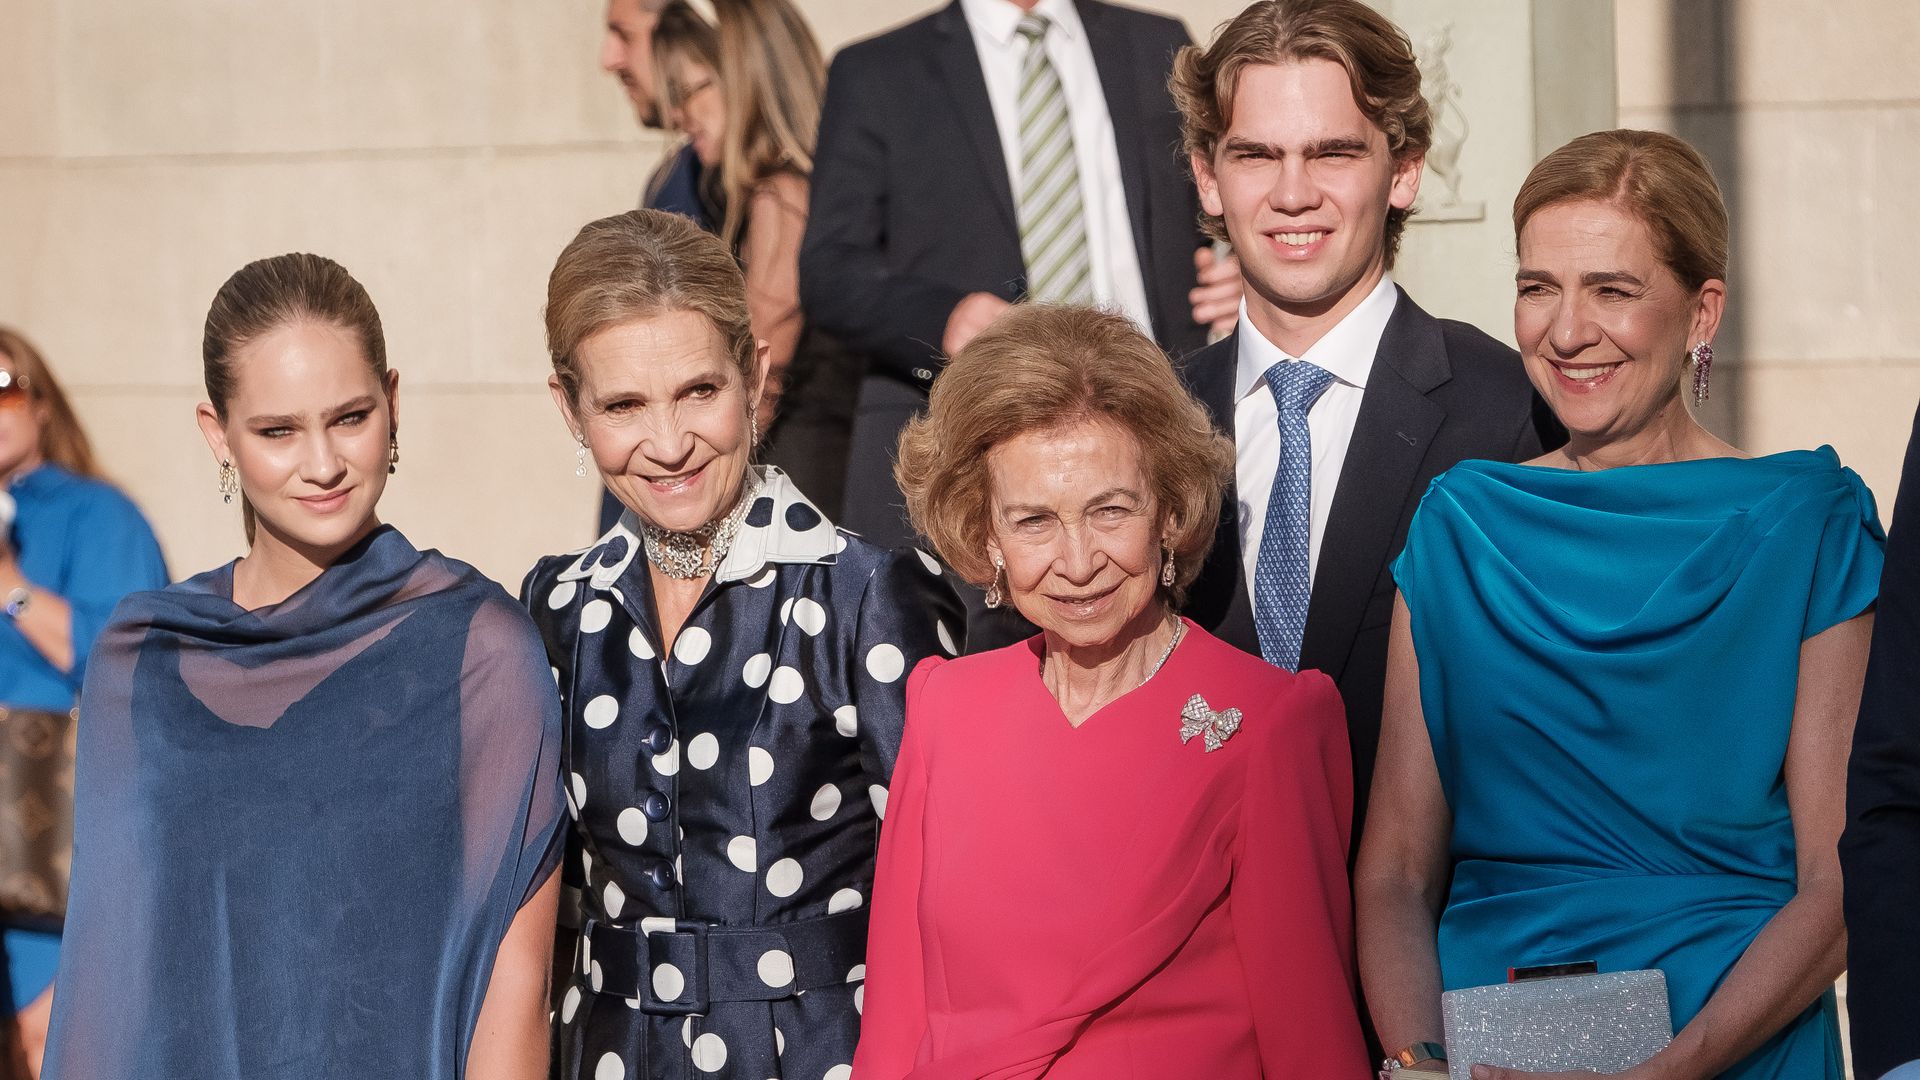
(685, 969)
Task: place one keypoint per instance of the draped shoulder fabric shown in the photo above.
(1608, 665)
(302, 831)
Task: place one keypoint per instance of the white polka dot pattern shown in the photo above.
(759, 766)
(595, 616)
(826, 802)
(703, 750)
(886, 663)
(709, 1053)
(610, 1068)
(784, 878)
(668, 982)
(776, 968)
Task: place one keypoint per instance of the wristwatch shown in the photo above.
(1420, 1051)
(17, 601)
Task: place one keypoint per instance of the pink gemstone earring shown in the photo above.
(1702, 356)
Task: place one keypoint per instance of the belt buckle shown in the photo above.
(692, 999)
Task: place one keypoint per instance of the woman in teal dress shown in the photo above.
(1624, 675)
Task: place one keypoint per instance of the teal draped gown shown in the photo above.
(1608, 664)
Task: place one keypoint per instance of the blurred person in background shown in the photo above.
(317, 800)
(626, 53)
(988, 152)
(746, 91)
(76, 545)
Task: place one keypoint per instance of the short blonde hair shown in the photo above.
(1376, 54)
(638, 265)
(1039, 367)
(1657, 178)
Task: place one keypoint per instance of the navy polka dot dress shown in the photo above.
(726, 795)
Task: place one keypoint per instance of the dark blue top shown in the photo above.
(676, 188)
(82, 540)
(301, 832)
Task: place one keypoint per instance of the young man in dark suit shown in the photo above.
(1307, 133)
(994, 151)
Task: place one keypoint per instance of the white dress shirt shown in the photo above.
(1117, 281)
(1347, 353)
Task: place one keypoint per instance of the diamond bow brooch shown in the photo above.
(1198, 718)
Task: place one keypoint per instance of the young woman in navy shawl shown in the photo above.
(733, 672)
(1623, 676)
(317, 801)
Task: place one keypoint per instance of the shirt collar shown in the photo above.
(1346, 351)
(998, 20)
(781, 526)
(41, 478)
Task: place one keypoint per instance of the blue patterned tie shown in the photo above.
(1283, 575)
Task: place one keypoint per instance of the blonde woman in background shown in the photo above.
(746, 91)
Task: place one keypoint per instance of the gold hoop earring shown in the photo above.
(994, 595)
(229, 481)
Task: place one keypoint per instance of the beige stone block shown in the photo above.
(1864, 409)
(1673, 53)
(1890, 270)
(149, 445)
(1805, 285)
(226, 77)
(29, 80)
(1844, 50)
(455, 250)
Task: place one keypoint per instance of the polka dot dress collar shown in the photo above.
(781, 527)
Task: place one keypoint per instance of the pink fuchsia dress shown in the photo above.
(1108, 901)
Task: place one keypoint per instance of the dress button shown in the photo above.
(656, 807)
(658, 738)
(662, 874)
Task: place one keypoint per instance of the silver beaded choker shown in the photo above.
(684, 556)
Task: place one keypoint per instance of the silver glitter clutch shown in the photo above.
(1608, 1023)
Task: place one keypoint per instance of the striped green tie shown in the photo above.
(1053, 222)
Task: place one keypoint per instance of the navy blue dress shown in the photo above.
(727, 797)
(302, 831)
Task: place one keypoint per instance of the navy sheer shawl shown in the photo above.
(302, 831)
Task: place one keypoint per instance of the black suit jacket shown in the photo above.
(1440, 392)
(911, 205)
(1880, 851)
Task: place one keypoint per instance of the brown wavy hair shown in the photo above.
(1038, 367)
(62, 440)
(1655, 177)
(1377, 56)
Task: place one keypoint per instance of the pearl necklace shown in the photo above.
(684, 556)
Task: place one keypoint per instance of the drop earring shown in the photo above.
(1168, 571)
(994, 595)
(393, 453)
(1702, 357)
(580, 459)
(229, 481)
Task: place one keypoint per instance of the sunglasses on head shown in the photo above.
(12, 387)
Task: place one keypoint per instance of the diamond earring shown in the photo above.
(1168, 571)
(994, 595)
(229, 481)
(580, 459)
(1702, 357)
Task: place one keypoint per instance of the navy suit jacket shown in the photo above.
(1440, 392)
(1880, 851)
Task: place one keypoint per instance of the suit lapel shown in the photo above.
(959, 66)
(1396, 424)
(1218, 599)
(1113, 58)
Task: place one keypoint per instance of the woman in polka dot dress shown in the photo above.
(732, 669)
